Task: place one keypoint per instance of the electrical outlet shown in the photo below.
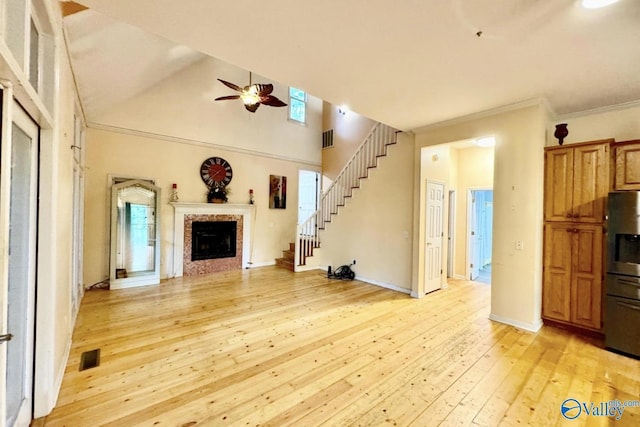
(519, 245)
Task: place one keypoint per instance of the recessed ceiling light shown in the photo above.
(596, 4)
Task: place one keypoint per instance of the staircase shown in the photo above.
(288, 258)
(357, 168)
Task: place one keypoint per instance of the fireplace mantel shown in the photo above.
(181, 209)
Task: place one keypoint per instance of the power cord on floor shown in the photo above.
(103, 284)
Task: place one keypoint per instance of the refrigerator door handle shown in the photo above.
(631, 306)
(628, 282)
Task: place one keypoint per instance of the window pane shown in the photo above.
(297, 110)
(297, 94)
(34, 48)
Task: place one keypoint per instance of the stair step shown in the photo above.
(289, 255)
(281, 262)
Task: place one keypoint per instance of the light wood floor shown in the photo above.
(270, 347)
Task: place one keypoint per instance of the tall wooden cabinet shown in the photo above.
(576, 187)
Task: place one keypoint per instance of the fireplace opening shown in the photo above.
(213, 239)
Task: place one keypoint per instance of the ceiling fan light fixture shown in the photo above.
(597, 4)
(250, 95)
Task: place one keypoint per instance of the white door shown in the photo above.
(451, 233)
(20, 306)
(433, 240)
(473, 241)
(308, 188)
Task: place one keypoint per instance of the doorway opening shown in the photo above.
(479, 232)
(451, 243)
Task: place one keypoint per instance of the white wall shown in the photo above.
(53, 111)
(55, 319)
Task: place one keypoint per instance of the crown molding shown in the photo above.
(541, 102)
(599, 110)
(178, 140)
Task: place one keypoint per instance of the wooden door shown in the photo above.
(558, 184)
(628, 166)
(590, 182)
(556, 295)
(586, 280)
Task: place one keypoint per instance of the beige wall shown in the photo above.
(182, 107)
(169, 162)
(621, 123)
(166, 132)
(349, 131)
(374, 227)
(475, 171)
(459, 169)
(518, 181)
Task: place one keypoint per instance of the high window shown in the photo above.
(297, 105)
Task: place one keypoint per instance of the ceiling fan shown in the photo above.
(253, 95)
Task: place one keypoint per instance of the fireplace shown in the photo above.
(213, 239)
(188, 214)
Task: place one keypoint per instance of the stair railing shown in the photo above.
(357, 168)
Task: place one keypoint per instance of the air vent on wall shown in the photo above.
(327, 138)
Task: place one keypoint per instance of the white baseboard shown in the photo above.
(384, 285)
(531, 327)
(459, 277)
(260, 264)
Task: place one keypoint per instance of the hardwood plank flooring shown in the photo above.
(268, 347)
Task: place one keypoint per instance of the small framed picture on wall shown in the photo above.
(277, 192)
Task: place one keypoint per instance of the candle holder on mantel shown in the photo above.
(174, 193)
(561, 132)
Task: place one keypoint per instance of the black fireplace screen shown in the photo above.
(213, 239)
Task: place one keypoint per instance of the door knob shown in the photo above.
(5, 337)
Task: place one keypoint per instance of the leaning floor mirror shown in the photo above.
(135, 234)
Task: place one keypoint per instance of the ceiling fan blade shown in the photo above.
(264, 89)
(228, 97)
(272, 101)
(252, 107)
(230, 85)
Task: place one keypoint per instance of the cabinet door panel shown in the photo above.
(586, 283)
(558, 184)
(556, 295)
(590, 182)
(628, 167)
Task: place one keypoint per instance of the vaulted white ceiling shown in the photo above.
(406, 63)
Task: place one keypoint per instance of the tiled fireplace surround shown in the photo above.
(186, 213)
